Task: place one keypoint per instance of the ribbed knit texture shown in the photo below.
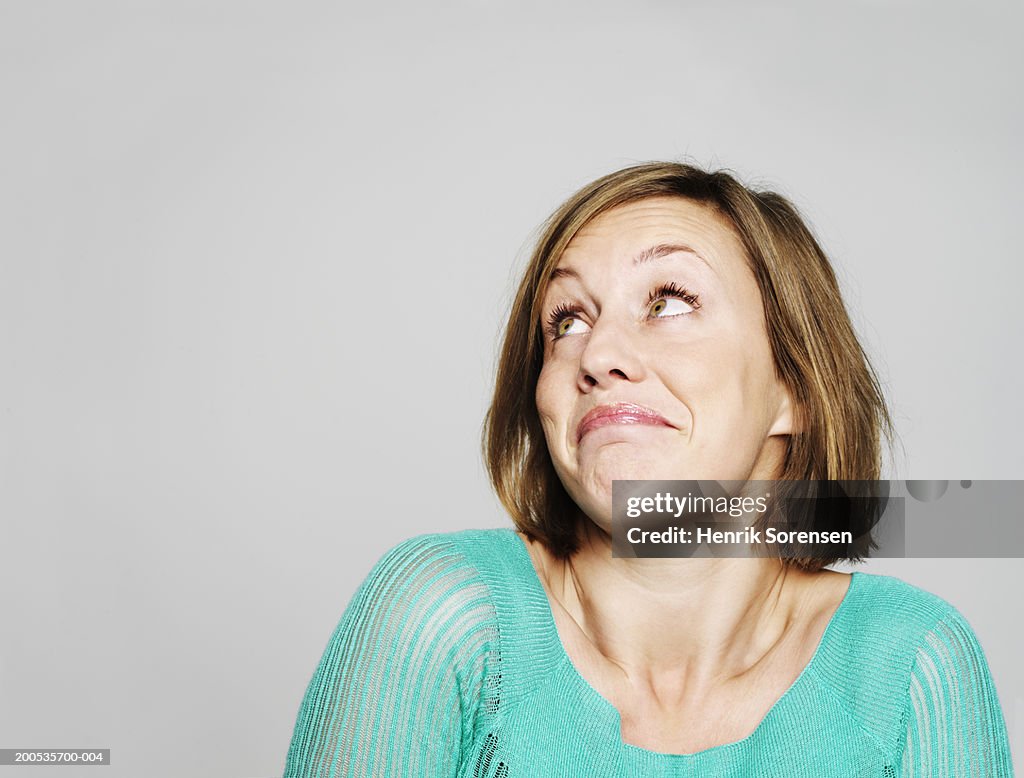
(447, 662)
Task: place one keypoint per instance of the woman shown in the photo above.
(672, 324)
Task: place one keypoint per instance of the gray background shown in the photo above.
(255, 259)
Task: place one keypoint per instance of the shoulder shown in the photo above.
(882, 632)
(423, 619)
(925, 688)
(423, 615)
(894, 612)
(482, 580)
(884, 622)
(435, 571)
(467, 555)
(495, 557)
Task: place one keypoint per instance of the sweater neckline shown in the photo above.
(599, 701)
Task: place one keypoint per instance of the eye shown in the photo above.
(564, 320)
(570, 325)
(671, 300)
(670, 306)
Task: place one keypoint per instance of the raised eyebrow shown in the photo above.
(564, 272)
(664, 249)
(649, 254)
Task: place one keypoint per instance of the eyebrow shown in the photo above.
(649, 254)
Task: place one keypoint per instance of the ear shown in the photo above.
(785, 422)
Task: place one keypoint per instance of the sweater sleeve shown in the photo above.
(401, 682)
(955, 725)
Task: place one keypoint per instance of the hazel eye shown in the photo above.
(565, 320)
(570, 325)
(671, 300)
(670, 306)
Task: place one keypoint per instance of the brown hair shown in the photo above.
(840, 410)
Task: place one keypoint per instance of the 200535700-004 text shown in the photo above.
(55, 756)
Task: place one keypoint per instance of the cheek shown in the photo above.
(542, 395)
(550, 397)
(700, 375)
(553, 408)
(726, 390)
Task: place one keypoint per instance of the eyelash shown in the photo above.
(671, 289)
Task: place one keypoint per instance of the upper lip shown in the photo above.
(618, 413)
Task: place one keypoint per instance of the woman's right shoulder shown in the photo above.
(483, 579)
(472, 553)
(470, 588)
(477, 570)
(424, 621)
(436, 566)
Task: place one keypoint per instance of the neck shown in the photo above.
(712, 619)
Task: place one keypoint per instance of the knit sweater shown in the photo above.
(447, 662)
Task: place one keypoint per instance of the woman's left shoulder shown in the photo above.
(903, 613)
(884, 630)
(883, 626)
(918, 680)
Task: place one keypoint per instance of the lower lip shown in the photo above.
(625, 419)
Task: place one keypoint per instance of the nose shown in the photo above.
(608, 357)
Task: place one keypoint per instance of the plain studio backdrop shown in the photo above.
(256, 258)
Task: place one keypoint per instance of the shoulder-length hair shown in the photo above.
(840, 410)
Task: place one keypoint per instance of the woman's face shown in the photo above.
(654, 339)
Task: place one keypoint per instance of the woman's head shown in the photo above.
(703, 311)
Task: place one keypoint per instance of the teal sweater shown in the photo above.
(447, 663)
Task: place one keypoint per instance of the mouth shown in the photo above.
(618, 413)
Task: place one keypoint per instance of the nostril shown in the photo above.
(589, 379)
(618, 372)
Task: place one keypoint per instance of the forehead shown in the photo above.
(657, 220)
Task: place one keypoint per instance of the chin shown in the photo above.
(596, 478)
(636, 465)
